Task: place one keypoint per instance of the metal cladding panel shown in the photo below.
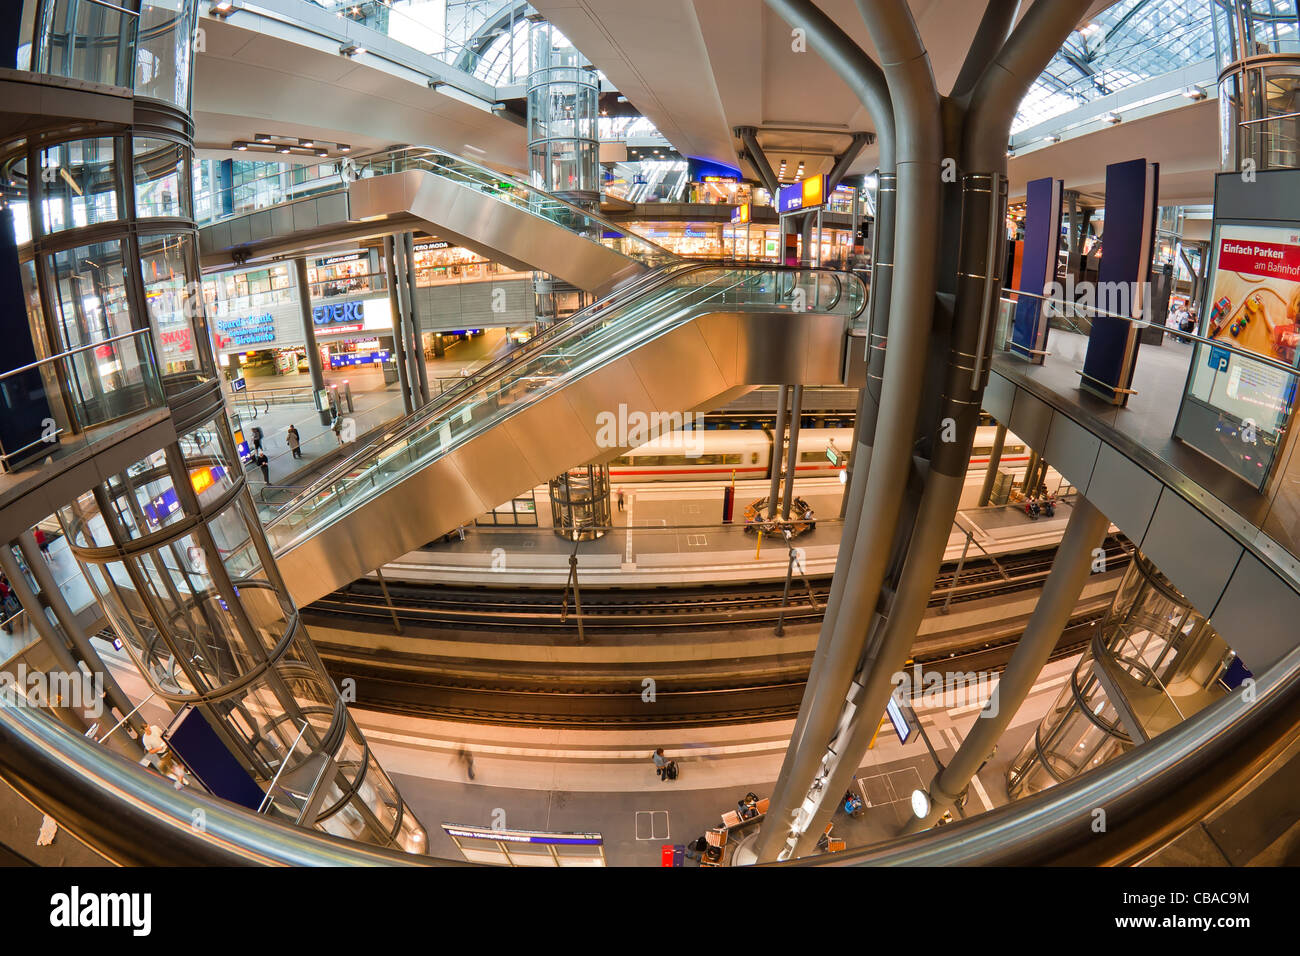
(1123, 492)
(1257, 615)
(1191, 550)
(504, 232)
(543, 439)
(241, 232)
(261, 225)
(1030, 419)
(296, 216)
(999, 395)
(1072, 450)
(549, 429)
(679, 372)
(721, 331)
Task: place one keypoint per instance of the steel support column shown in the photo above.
(995, 459)
(778, 446)
(399, 325)
(792, 457)
(309, 336)
(1071, 568)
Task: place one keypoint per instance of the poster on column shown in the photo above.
(1252, 305)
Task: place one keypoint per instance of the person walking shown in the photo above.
(667, 769)
(336, 426)
(293, 440)
(9, 605)
(467, 759)
(264, 463)
(621, 499)
(257, 438)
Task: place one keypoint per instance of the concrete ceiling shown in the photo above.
(699, 68)
(246, 82)
(1184, 141)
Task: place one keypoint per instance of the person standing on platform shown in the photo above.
(257, 438)
(336, 426)
(620, 499)
(264, 463)
(293, 441)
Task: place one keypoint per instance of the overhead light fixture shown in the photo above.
(261, 138)
(1054, 138)
(342, 147)
(1010, 152)
(221, 9)
(241, 146)
(1194, 93)
(306, 143)
(436, 84)
(499, 107)
(351, 50)
(282, 149)
(1112, 118)
(322, 153)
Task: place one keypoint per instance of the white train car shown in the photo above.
(720, 454)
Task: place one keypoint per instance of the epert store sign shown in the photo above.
(357, 316)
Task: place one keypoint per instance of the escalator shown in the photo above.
(419, 188)
(687, 337)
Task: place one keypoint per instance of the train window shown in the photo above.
(753, 458)
(982, 450)
(621, 461)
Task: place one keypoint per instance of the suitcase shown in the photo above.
(671, 770)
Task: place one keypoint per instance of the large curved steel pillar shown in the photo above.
(906, 67)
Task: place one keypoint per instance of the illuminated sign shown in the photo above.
(434, 244)
(740, 214)
(335, 260)
(344, 312)
(805, 194)
(246, 330)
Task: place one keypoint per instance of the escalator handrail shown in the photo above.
(438, 403)
(398, 151)
(503, 366)
(134, 817)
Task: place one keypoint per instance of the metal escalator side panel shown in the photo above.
(685, 368)
(498, 230)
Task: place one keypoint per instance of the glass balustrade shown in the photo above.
(585, 343)
(286, 185)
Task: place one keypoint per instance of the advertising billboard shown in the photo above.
(1235, 409)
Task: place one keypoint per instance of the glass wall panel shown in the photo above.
(86, 40)
(162, 65)
(159, 177)
(79, 184)
(170, 291)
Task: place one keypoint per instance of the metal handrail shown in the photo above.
(80, 348)
(502, 366)
(1143, 323)
(521, 184)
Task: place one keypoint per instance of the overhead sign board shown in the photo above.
(740, 214)
(805, 194)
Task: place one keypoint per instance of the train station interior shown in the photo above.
(699, 433)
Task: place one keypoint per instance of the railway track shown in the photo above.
(401, 676)
(615, 610)
(560, 705)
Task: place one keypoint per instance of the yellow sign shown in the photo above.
(814, 191)
(740, 214)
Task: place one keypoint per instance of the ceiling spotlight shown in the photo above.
(241, 146)
(261, 138)
(283, 149)
(1112, 118)
(1054, 138)
(322, 152)
(306, 143)
(221, 9)
(1194, 93)
(435, 83)
(342, 147)
(1010, 152)
(351, 50)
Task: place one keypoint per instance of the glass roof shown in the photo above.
(1132, 41)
